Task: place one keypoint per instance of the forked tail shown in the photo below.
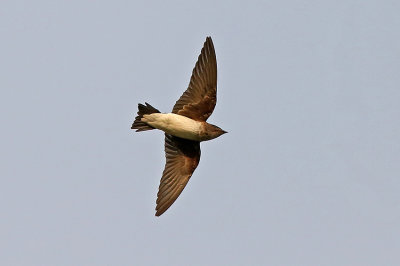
(143, 110)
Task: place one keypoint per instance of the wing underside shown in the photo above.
(199, 99)
(182, 158)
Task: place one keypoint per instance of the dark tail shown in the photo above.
(143, 110)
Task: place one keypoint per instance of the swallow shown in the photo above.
(185, 127)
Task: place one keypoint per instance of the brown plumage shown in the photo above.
(143, 110)
(182, 158)
(200, 98)
(197, 103)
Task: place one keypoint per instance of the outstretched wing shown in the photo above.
(182, 158)
(199, 100)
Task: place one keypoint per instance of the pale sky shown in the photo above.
(309, 173)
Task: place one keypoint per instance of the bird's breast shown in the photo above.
(176, 125)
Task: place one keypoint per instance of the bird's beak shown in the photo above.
(223, 131)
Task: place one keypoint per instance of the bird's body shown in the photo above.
(176, 125)
(185, 127)
(182, 126)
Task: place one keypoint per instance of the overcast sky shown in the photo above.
(309, 173)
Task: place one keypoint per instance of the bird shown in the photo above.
(185, 127)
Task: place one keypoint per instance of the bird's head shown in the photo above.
(212, 131)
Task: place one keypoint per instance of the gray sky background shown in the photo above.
(308, 174)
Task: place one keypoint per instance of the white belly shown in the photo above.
(176, 125)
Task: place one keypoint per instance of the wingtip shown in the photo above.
(159, 212)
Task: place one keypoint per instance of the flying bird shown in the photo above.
(185, 127)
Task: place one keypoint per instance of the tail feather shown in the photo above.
(143, 110)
